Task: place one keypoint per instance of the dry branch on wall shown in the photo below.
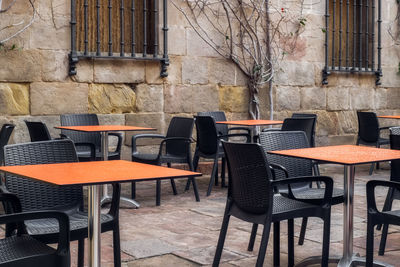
(254, 34)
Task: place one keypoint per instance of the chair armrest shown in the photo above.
(163, 142)
(119, 144)
(236, 135)
(139, 136)
(61, 217)
(274, 167)
(91, 146)
(325, 202)
(11, 203)
(385, 128)
(371, 185)
(270, 129)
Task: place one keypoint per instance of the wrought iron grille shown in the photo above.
(118, 29)
(353, 37)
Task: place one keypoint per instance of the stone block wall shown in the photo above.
(34, 84)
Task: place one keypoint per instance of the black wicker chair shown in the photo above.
(208, 146)
(294, 167)
(22, 249)
(224, 130)
(251, 198)
(37, 196)
(174, 148)
(88, 141)
(5, 134)
(369, 132)
(376, 217)
(392, 192)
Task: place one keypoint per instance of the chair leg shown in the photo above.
(382, 244)
(263, 245)
(223, 184)
(216, 174)
(387, 205)
(371, 169)
(81, 252)
(303, 230)
(195, 190)
(221, 239)
(370, 244)
(290, 223)
(194, 166)
(277, 245)
(116, 246)
(316, 169)
(213, 174)
(326, 240)
(252, 237)
(158, 193)
(133, 190)
(173, 185)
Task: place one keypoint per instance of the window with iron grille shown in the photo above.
(118, 29)
(353, 37)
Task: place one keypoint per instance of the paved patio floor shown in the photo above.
(183, 232)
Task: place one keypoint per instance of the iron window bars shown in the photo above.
(350, 38)
(98, 26)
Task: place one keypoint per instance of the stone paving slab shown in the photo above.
(147, 248)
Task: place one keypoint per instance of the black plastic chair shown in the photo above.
(37, 196)
(392, 192)
(22, 249)
(208, 146)
(222, 129)
(376, 217)
(369, 132)
(314, 126)
(5, 134)
(295, 167)
(88, 141)
(37, 131)
(174, 148)
(251, 198)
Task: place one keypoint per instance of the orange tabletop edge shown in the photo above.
(96, 172)
(104, 128)
(389, 116)
(342, 154)
(251, 122)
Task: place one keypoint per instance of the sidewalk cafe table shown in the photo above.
(349, 156)
(104, 130)
(94, 174)
(251, 124)
(396, 117)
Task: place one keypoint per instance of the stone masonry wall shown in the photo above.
(34, 84)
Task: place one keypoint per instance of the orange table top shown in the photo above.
(96, 172)
(345, 154)
(104, 128)
(389, 117)
(251, 122)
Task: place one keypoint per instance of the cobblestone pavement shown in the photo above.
(183, 232)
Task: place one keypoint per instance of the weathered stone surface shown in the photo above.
(393, 98)
(119, 71)
(287, 98)
(204, 98)
(338, 99)
(20, 66)
(336, 140)
(149, 98)
(50, 36)
(343, 80)
(174, 71)
(153, 120)
(54, 66)
(348, 122)
(177, 40)
(297, 73)
(233, 98)
(153, 70)
(222, 71)
(380, 98)
(168, 260)
(195, 70)
(14, 99)
(313, 98)
(241, 78)
(197, 47)
(84, 71)
(111, 98)
(178, 98)
(361, 98)
(147, 248)
(391, 77)
(328, 123)
(21, 131)
(58, 98)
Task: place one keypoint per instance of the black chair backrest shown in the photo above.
(207, 137)
(81, 120)
(5, 134)
(368, 126)
(36, 195)
(38, 131)
(281, 140)
(249, 177)
(222, 129)
(314, 127)
(395, 164)
(300, 124)
(179, 127)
